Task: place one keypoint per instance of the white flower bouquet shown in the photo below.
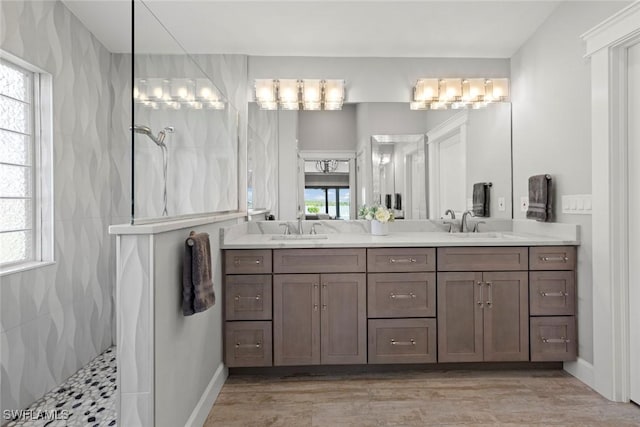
(378, 213)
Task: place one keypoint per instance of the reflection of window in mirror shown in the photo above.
(327, 193)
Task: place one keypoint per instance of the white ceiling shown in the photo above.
(476, 29)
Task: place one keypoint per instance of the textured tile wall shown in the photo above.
(56, 319)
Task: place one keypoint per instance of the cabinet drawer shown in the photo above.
(247, 261)
(401, 295)
(482, 259)
(401, 259)
(552, 258)
(552, 293)
(248, 297)
(319, 261)
(553, 339)
(248, 344)
(402, 341)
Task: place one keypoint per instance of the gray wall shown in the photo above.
(328, 130)
(56, 319)
(188, 350)
(551, 101)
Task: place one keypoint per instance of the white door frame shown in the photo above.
(437, 135)
(606, 47)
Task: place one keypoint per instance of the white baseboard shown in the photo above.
(582, 370)
(202, 409)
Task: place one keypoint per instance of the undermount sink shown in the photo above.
(300, 237)
(487, 235)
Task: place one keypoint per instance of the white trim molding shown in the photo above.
(606, 46)
(455, 125)
(208, 398)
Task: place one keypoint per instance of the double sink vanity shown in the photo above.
(346, 297)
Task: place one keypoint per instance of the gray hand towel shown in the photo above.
(540, 198)
(481, 199)
(197, 286)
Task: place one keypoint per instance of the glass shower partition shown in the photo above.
(185, 130)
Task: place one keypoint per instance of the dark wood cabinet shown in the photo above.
(483, 316)
(319, 319)
(296, 319)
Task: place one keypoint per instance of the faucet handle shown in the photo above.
(313, 227)
(286, 228)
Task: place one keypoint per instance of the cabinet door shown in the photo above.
(343, 327)
(296, 319)
(506, 316)
(460, 302)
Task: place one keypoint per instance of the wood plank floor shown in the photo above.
(412, 398)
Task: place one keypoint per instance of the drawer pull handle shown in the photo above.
(256, 345)
(562, 340)
(480, 303)
(554, 294)
(257, 297)
(410, 342)
(402, 260)
(554, 258)
(402, 296)
(255, 261)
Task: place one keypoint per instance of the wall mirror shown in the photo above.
(398, 174)
(417, 162)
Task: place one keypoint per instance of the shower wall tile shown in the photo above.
(55, 319)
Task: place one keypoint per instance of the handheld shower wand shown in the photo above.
(159, 140)
(146, 130)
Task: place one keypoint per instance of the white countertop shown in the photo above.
(394, 239)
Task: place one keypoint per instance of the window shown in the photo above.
(333, 201)
(22, 145)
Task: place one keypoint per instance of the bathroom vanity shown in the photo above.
(421, 297)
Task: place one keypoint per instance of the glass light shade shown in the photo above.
(288, 92)
(500, 89)
(154, 89)
(312, 94)
(206, 91)
(450, 90)
(265, 92)
(426, 90)
(438, 106)
(418, 105)
(334, 91)
(331, 106)
(472, 90)
(215, 105)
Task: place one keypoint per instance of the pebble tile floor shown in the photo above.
(88, 397)
(417, 398)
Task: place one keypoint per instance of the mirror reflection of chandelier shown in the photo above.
(326, 166)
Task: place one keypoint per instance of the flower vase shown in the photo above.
(379, 228)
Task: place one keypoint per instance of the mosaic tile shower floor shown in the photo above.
(87, 398)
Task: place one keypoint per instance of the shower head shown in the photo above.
(146, 130)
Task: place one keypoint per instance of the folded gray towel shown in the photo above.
(481, 199)
(540, 198)
(197, 286)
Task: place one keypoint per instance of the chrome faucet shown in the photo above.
(300, 216)
(464, 227)
(450, 212)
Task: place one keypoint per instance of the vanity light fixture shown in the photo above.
(299, 94)
(437, 94)
(177, 93)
